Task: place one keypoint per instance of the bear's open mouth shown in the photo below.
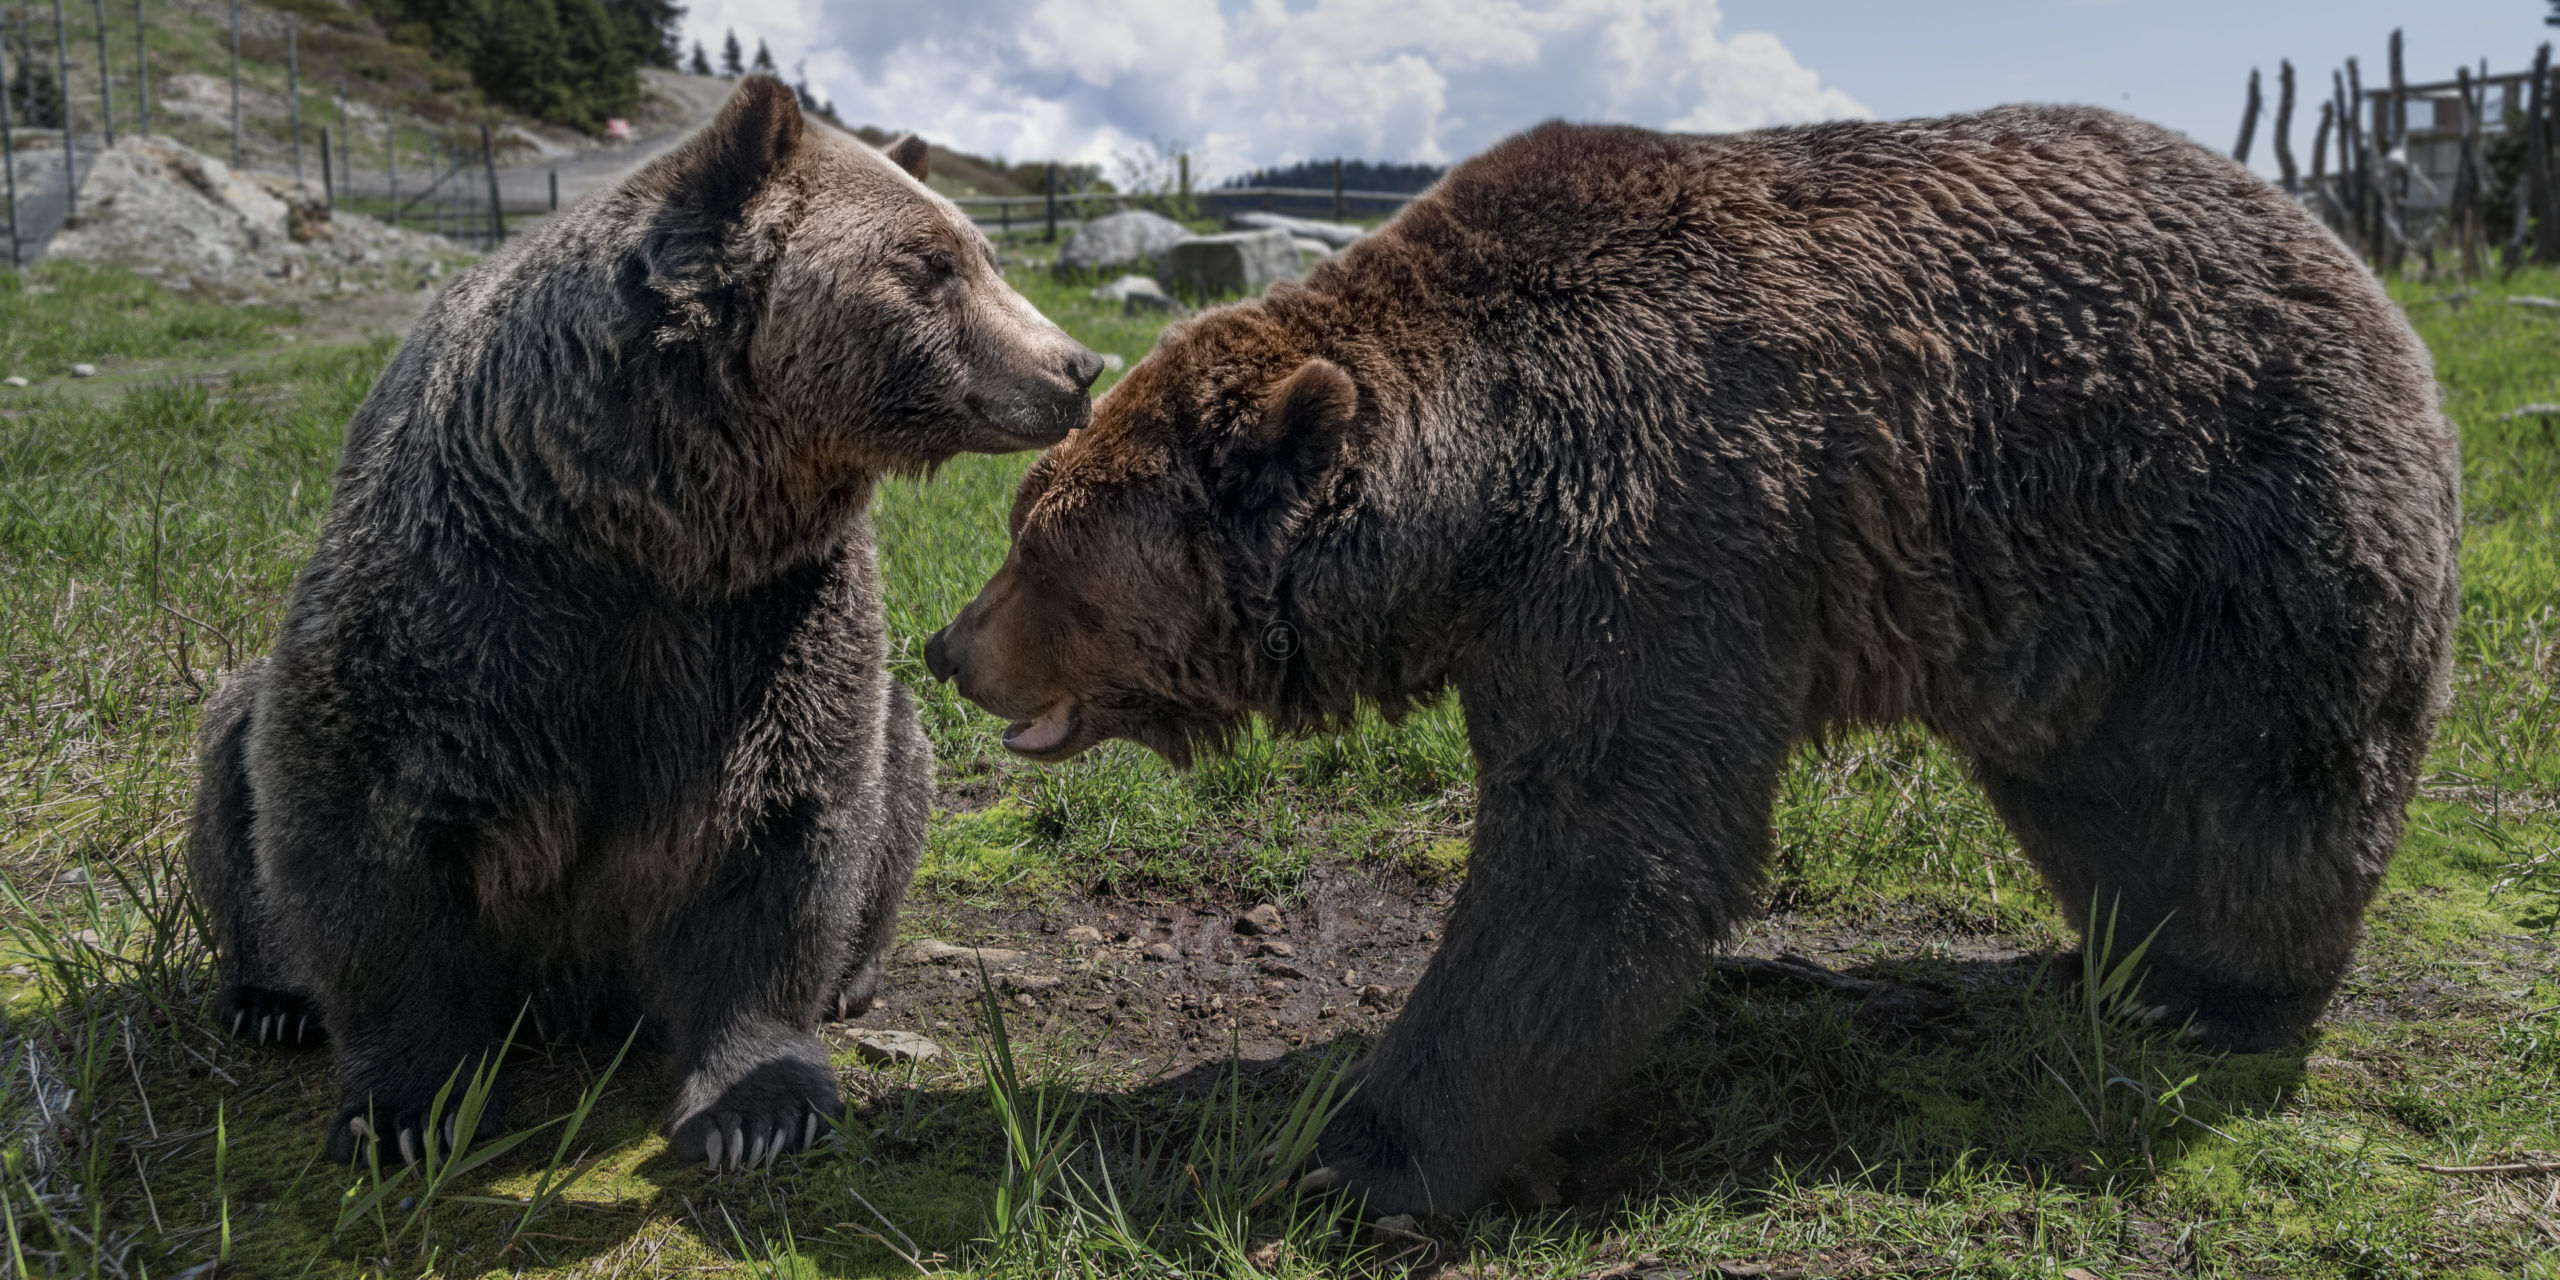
(1055, 728)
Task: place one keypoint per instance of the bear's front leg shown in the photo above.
(742, 972)
(414, 997)
(1600, 881)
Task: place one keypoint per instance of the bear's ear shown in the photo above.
(908, 153)
(1276, 458)
(732, 158)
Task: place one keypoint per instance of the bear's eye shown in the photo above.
(938, 265)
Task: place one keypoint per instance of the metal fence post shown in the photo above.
(497, 209)
(293, 91)
(235, 84)
(106, 85)
(8, 151)
(62, 95)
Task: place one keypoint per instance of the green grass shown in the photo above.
(148, 540)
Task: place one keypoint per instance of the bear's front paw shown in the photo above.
(750, 1118)
(270, 1016)
(400, 1129)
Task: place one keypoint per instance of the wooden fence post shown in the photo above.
(2248, 120)
(497, 209)
(2320, 167)
(555, 191)
(1337, 188)
(2395, 174)
(142, 70)
(1052, 185)
(2539, 137)
(106, 83)
(2462, 206)
(2537, 160)
(2289, 175)
(391, 164)
(2354, 148)
(328, 173)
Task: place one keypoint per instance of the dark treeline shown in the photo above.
(1357, 175)
(570, 62)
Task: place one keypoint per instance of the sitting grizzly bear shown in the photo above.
(581, 703)
(2042, 427)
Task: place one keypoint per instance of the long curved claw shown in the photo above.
(711, 1151)
(1324, 1179)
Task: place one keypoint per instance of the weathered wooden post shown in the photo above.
(2395, 174)
(2320, 168)
(2462, 206)
(2538, 137)
(1052, 234)
(2287, 173)
(2248, 122)
(2355, 148)
(141, 71)
(2537, 158)
(555, 191)
(8, 151)
(62, 95)
(489, 166)
(328, 173)
(391, 164)
(1337, 188)
(235, 84)
(106, 83)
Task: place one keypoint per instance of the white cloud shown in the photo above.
(1255, 82)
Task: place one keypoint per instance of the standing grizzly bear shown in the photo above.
(2042, 427)
(581, 703)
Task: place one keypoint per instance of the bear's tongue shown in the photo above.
(1045, 733)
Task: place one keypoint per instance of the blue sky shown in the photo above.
(1244, 83)
(2182, 63)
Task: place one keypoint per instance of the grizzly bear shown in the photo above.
(580, 709)
(2043, 428)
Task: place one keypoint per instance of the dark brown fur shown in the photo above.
(581, 705)
(2041, 427)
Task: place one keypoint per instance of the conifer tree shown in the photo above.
(701, 64)
(733, 61)
(764, 58)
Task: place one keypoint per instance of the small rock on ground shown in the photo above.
(1160, 951)
(1264, 918)
(84, 371)
(1084, 935)
(892, 1048)
(13, 380)
(932, 951)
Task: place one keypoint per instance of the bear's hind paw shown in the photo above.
(268, 1016)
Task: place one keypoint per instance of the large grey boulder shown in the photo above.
(1333, 234)
(1136, 294)
(1239, 262)
(1119, 242)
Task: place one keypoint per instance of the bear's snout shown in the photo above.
(1083, 367)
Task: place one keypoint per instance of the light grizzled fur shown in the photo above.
(2043, 428)
(581, 704)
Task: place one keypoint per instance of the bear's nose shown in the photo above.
(937, 656)
(1082, 368)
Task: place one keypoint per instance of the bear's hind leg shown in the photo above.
(255, 1002)
(2241, 829)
